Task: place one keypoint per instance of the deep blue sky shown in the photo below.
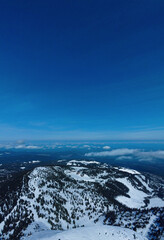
(81, 69)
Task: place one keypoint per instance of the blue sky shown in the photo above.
(81, 69)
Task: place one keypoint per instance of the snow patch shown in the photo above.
(128, 170)
(35, 161)
(75, 162)
(90, 233)
(22, 168)
(137, 197)
(156, 202)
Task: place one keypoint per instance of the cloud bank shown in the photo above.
(150, 155)
(115, 152)
(20, 146)
(129, 154)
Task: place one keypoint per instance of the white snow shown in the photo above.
(140, 178)
(137, 197)
(79, 176)
(61, 160)
(80, 198)
(156, 202)
(90, 233)
(74, 162)
(34, 161)
(128, 170)
(144, 231)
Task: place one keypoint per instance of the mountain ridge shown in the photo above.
(75, 194)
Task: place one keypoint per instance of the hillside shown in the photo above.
(91, 233)
(81, 194)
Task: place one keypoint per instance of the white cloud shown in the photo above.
(115, 152)
(22, 146)
(129, 154)
(124, 158)
(86, 146)
(106, 147)
(33, 147)
(149, 156)
(19, 146)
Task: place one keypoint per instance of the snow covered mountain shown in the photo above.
(79, 194)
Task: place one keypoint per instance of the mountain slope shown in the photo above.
(80, 193)
(91, 233)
